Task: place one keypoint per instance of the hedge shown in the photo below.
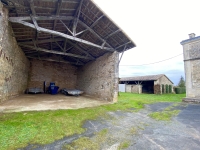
(170, 88)
(180, 90)
(167, 88)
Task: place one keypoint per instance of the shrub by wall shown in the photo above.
(167, 88)
(180, 90)
(170, 88)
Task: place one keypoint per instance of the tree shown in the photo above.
(181, 82)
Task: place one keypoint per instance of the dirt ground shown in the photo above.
(137, 131)
(38, 102)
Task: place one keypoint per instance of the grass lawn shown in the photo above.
(19, 129)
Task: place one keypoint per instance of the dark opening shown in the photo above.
(148, 87)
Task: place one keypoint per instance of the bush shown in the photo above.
(167, 88)
(180, 90)
(170, 88)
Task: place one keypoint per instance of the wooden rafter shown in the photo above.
(75, 23)
(70, 18)
(54, 60)
(54, 52)
(20, 21)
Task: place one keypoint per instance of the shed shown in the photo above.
(148, 84)
(70, 42)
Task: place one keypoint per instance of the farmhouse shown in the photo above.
(191, 51)
(70, 42)
(156, 84)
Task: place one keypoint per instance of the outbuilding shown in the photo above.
(156, 84)
(70, 42)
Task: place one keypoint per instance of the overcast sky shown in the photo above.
(157, 27)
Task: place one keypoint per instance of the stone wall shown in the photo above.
(191, 50)
(64, 75)
(13, 63)
(132, 88)
(100, 77)
(163, 80)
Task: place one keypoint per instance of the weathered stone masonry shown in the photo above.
(191, 50)
(13, 63)
(64, 75)
(100, 78)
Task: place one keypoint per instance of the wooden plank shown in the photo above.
(54, 52)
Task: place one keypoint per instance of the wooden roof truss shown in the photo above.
(69, 31)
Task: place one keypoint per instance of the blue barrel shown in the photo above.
(55, 90)
(52, 87)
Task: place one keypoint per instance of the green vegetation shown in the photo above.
(180, 90)
(124, 145)
(19, 129)
(181, 82)
(170, 88)
(166, 114)
(87, 143)
(167, 88)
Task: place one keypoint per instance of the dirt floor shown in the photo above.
(36, 102)
(137, 131)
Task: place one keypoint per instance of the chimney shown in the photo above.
(191, 35)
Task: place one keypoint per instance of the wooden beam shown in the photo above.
(77, 18)
(81, 49)
(59, 39)
(122, 55)
(32, 7)
(35, 23)
(54, 52)
(66, 27)
(93, 32)
(123, 45)
(15, 20)
(96, 21)
(112, 34)
(60, 61)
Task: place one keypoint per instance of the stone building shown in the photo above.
(191, 52)
(72, 43)
(147, 84)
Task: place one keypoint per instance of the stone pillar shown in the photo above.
(191, 53)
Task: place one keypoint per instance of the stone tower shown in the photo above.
(191, 52)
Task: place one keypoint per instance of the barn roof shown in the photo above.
(70, 31)
(145, 78)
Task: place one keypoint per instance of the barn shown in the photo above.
(72, 43)
(152, 84)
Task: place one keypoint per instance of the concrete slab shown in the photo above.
(192, 99)
(38, 102)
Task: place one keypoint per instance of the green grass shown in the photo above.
(124, 145)
(166, 114)
(19, 129)
(87, 143)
